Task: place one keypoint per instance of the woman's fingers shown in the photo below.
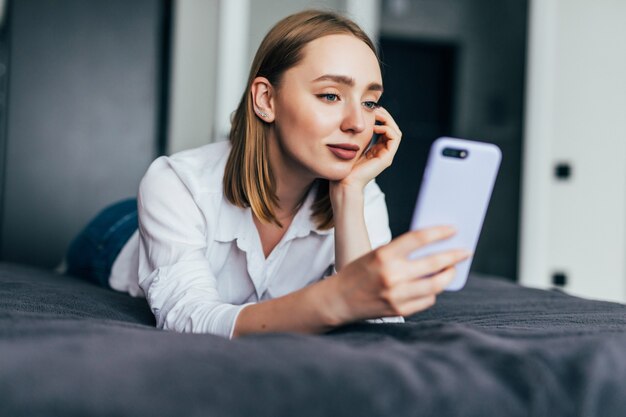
(389, 138)
(394, 129)
(388, 141)
(425, 287)
(432, 264)
(382, 115)
(411, 296)
(417, 305)
(390, 134)
(410, 241)
(386, 280)
(406, 269)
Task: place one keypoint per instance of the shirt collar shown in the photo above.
(236, 222)
(303, 224)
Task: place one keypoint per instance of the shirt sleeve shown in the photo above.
(174, 271)
(376, 217)
(377, 223)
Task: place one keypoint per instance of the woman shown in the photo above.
(275, 229)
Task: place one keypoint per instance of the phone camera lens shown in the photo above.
(455, 153)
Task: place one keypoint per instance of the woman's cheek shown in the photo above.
(322, 123)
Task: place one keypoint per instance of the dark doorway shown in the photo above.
(419, 87)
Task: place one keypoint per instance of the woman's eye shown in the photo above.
(329, 97)
(371, 105)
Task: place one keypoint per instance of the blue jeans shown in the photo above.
(92, 253)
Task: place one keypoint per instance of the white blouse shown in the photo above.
(198, 259)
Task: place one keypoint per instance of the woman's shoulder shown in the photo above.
(200, 169)
(203, 155)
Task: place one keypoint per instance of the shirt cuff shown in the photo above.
(235, 314)
(395, 319)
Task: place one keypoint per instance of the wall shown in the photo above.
(267, 12)
(576, 226)
(193, 72)
(82, 120)
(4, 93)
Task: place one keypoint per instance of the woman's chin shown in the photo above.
(338, 173)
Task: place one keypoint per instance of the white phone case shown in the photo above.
(456, 189)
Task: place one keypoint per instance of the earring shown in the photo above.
(262, 113)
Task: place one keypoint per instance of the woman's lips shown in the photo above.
(344, 151)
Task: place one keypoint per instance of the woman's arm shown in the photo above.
(383, 282)
(351, 237)
(307, 310)
(347, 195)
(173, 269)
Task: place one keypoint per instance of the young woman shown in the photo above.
(282, 228)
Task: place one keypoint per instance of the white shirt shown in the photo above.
(198, 258)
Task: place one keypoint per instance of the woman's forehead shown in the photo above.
(340, 55)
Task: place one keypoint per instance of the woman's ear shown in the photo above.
(263, 99)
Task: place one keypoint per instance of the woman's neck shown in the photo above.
(292, 185)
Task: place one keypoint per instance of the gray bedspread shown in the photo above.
(69, 348)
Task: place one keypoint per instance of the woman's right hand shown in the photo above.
(386, 282)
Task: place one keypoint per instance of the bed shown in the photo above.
(69, 348)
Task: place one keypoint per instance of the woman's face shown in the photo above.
(325, 107)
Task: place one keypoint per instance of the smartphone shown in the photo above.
(456, 190)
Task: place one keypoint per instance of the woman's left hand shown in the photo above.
(347, 195)
(380, 155)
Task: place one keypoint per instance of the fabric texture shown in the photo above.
(71, 348)
(199, 259)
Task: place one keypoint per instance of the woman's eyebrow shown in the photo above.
(349, 81)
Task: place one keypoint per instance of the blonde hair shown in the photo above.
(248, 178)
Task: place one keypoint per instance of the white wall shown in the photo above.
(576, 113)
(268, 12)
(193, 71)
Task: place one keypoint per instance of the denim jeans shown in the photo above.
(92, 253)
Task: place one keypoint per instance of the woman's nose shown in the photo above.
(353, 120)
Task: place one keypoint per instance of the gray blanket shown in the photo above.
(69, 348)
